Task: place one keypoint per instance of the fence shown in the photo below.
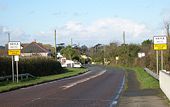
(164, 79)
(156, 76)
(21, 76)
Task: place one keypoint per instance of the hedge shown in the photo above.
(37, 66)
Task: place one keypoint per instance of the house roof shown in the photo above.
(24, 45)
(34, 48)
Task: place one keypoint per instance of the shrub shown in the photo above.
(36, 66)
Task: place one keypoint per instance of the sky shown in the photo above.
(87, 22)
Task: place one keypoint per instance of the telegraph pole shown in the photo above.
(55, 51)
(12, 57)
(8, 37)
(71, 42)
(124, 42)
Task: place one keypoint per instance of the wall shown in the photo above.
(34, 54)
(164, 81)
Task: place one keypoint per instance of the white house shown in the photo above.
(67, 63)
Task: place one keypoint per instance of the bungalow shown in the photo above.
(34, 49)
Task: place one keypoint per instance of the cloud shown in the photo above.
(15, 35)
(101, 31)
(3, 35)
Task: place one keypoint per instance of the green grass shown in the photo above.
(7, 86)
(146, 81)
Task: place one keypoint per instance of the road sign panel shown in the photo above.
(141, 54)
(14, 52)
(117, 58)
(160, 39)
(160, 42)
(16, 58)
(160, 46)
(14, 45)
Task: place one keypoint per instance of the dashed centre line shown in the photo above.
(36, 99)
(82, 80)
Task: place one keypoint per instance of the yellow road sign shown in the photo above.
(14, 52)
(160, 46)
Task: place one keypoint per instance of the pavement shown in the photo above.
(100, 87)
(135, 97)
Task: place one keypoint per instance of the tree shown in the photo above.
(70, 53)
(167, 28)
(147, 42)
(84, 49)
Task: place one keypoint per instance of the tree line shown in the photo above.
(128, 54)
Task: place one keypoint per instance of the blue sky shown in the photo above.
(86, 21)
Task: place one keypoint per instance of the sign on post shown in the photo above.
(14, 48)
(14, 52)
(16, 58)
(160, 42)
(117, 58)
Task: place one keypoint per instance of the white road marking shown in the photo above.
(38, 85)
(82, 80)
(35, 99)
(115, 100)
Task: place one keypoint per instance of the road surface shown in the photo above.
(98, 88)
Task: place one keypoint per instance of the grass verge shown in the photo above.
(146, 81)
(7, 86)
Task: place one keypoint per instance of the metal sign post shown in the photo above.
(14, 48)
(157, 62)
(17, 70)
(13, 77)
(162, 60)
(117, 58)
(17, 59)
(160, 44)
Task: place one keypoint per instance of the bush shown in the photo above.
(36, 66)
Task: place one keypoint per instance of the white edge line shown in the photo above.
(115, 100)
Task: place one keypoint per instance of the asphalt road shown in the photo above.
(98, 88)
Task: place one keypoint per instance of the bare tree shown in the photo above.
(167, 28)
